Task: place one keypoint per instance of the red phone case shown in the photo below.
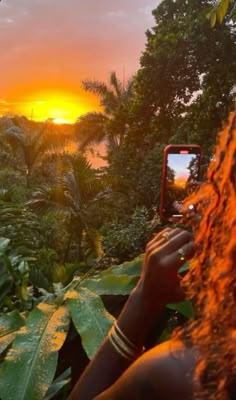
(167, 150)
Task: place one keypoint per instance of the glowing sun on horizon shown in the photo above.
(63, 108)
(181, 182)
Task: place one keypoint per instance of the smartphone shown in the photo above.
(181, 170)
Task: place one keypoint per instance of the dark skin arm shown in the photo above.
(163, 373)
(158, 285)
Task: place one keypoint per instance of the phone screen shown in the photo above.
(182, 171)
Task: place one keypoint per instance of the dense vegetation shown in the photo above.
(64, 226)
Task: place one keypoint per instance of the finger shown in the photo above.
(176, 260)
(186, 252)
(162, 241)
(158, 239)
(165, 235)
(177, 242)
(159, 236)
(172, 233)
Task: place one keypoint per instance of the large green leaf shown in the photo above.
(111, 284)
(130, 268)
(90, 318)
(184, 307)
(30, 364)
(60, 384)
(9, 325)
(115, 280)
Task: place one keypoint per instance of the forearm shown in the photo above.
(135, 322)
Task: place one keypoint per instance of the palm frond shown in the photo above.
(80, 181)
(107, 97)
(96, 87)
(90, 129)
(129, 88)
(81, 166)
(50, 200)
(20, 226)
(71, 190)
(15, 137)
(113, 142)
(34, 144)
(38, 278)
(116, 84)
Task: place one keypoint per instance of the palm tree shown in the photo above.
(220, 9)
(30, 142)
(109, 126)
(76, 197)
(19, 225)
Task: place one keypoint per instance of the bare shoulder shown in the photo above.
(165, 372)
(171, 367)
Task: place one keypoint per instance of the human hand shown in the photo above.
(165, 254)
(188, 209)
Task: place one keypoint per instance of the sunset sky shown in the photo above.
(180, 163)
(49, 46)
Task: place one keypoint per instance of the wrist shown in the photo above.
(139, 315)
(149, 302)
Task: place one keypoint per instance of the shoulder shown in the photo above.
(170, 367)
(165, 372)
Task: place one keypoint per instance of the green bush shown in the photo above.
(125, 241)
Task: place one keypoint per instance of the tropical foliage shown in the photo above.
(71, 237)
(30, 344)
(31, 145)
(76, 197)
(184, 89)
(111, 125)
(221, 8)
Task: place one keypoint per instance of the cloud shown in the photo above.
(118, 14)
(11, 15)
(9, 20)
(145, 10)
(6, 23)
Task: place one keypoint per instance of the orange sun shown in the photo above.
(62, 107)
(181, 181)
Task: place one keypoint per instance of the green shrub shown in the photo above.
(125, 241)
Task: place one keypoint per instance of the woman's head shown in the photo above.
(211, 280)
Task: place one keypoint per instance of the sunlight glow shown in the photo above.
(60, 106)
(180, 182)
(61, 121)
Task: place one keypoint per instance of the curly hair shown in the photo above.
(211, 281)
